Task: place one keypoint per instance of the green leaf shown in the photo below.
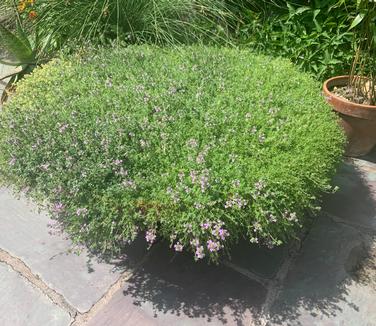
(22, 36)
(17, 48)
(318, 26)
(358, 19)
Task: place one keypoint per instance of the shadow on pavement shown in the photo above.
(173, 288)
(332, 281)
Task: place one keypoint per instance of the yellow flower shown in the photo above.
(21, 6)
(30, 2)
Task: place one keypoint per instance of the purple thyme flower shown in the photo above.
(236, 183)
(150, 236)
(123, 172)
(189, 227)
(81, 211)
(200, 159)
(223, 234)
(236, 200)
(199, 254)
(143, 143)
(181, 176)
(195, 242)
(157, 109)
(260, 185)
(108, 82)
(257, 226)
(12, 161)
(272, 218)
(269, 244)
(193, 175)
(58, 208)
(206, 225)
(178, 247)
(213, 245)
(172, 90)
(129, 184)
(198, 205)
(63, 127)
(117, 162)
(229, 203)
(192, 143)
(45, 166)
(204, 183)
(292, 217)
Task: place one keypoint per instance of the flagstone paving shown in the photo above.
(81, 279)
(4, 71)
(326, 278)
(21, 304)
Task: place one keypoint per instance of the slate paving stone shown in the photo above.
(260, 260)
(320, 288)
(4, 71)
(355, 200)
(81, 279)
(21, 304)
(174, 290)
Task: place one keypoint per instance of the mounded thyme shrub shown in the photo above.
(199, 146)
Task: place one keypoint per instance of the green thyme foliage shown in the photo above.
(199, 146)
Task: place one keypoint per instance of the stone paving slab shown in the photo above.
(4, 71)
(174, 290)
(260, 260)
(356, 199)
(320, 288)
(21, 304)
(82, 280)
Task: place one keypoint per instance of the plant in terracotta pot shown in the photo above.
(354, 96)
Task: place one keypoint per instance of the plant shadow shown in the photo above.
(333, 279)
(173, 289)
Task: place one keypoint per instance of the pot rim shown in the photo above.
(337, 78)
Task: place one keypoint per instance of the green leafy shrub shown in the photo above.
(315, 35)
(199, 146)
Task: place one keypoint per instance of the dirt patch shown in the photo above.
(348, 93)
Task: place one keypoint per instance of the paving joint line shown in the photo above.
(276, 283)
(247, 273)
(358, 227)
(82, 319)
(22, 269)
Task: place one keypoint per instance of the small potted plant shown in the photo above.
(354, 96)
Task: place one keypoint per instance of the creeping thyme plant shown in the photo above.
(197, 146)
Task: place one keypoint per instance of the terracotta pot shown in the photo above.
(358, 120)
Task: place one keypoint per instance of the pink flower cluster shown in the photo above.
(150, 236)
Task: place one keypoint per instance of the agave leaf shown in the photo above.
(15, 46)
(9, 63)
(22, 36)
